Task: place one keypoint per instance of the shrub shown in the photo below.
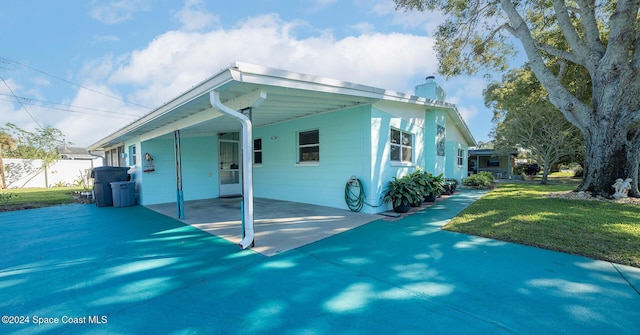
(578, 171)
(531, 169)
(403, 190)
(5, 197)
(483, 179)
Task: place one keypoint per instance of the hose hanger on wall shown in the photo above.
(148, 163)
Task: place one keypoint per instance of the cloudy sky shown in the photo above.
(89, 67)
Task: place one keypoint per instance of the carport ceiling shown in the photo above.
(281, 104)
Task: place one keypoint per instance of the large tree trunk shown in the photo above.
(610, 154)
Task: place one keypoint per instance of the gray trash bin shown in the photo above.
(124, 193)
(102, 178)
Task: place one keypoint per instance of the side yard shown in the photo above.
(26, 198)
(540, 215)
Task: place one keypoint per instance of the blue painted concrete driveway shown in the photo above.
(80, 269)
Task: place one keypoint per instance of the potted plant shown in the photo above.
(438, 185)
(402, 192)
(431, 187)
(450, 185)
(421, 185)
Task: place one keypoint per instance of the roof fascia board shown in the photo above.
(202, 116)
(204, 87)
(251, 99)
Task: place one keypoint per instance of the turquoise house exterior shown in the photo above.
(309, 135)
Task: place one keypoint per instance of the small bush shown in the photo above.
(5, 197)
(531, 169)
(483, 179)
(578, 171)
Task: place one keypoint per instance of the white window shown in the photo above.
(133, 156)
(401, 146)
(460, 157)
(257, 151)
(440, 137)
(309, 146)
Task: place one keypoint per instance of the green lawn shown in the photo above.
(24, 198)
(522, 213)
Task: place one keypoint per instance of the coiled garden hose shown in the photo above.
(354, 201)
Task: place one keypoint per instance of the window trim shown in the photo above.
(256, 151)
(461, 157)
(299, 146)
(133, 155)
(401, 146)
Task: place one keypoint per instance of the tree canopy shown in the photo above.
(7, 143)
(596, 38)
(526, 119)
(39, 144)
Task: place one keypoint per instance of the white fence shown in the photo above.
(30, 172)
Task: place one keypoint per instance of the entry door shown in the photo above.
(230, 183)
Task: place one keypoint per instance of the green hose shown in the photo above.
(354, 201)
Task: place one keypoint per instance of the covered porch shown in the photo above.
(279, 225)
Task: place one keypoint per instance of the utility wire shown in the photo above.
(9, 61)
(44, 103)
(124, 117)
(21, 104)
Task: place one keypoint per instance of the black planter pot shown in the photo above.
(430, 198)
(402, 208)
(448, 190)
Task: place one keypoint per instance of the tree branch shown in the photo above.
(622, 27)
(576, 44)
(574, 110)
(558, 53)
(587, 11)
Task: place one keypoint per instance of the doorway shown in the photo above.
(230, 182)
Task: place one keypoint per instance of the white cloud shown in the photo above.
(176, 60)
(116, 11)
(106, 38)
(194, 16)
(427, 20)
(364, 27)
(103, 115)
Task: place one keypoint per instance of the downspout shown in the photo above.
(247, 164)
(179, 192)
(94, 155)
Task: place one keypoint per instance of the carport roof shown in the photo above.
(287, 95)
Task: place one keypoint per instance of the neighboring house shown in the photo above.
(307, 136)
(77, 153)
(500, 164)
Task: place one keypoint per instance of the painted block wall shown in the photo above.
(21, 173)
(434, 163)
(455, 141)
(200, 167)
(199, 172)
(158, 186)
(344, 143)
(453, 170)
(382, 169)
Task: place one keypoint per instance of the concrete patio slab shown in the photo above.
(279, 225)
(134, 271)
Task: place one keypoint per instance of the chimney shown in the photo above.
(431, 90)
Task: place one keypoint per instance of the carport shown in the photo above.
(279, 225)
(242, 95)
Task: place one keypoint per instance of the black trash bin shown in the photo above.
(103, 176)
